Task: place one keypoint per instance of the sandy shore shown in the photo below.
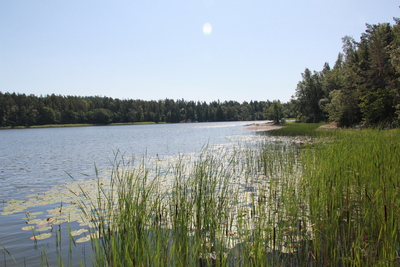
(266, 126)
(330, 126)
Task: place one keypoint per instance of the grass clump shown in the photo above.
(352, 188)
(218, 209)
(292, 128)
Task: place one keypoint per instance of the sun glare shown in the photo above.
(207, 29)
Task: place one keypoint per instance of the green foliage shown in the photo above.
(342, 108)
(362, 88)
(275, 112)
(351, 184)
(100, 116)
(297, 129)
(394, 48)
(21, 110)
(47, 116)
(377, 107)
(308, 94)
(200, 217)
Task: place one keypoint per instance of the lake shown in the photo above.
(35, 161)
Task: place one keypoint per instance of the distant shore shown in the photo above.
(265, 126)
(75, 125)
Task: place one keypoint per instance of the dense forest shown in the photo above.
(26, 110)
(363, 87)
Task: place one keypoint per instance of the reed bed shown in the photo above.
(352, 188)
(233, 208)
(331, 201)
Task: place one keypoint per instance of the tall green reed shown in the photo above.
(218, 209)
(352, 188)
(332, 202)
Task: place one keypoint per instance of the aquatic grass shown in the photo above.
(331, 203)
(9, 254)
(352, 187)
(214, 214)
(298, 129)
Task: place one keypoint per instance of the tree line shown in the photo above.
(26, 110)
(363, 87)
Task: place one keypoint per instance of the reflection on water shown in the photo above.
(35, 160)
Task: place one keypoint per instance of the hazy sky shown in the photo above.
(151, 50)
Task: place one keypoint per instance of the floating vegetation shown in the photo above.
(83, 239)
(27, 217)
(78, 232)
(43, 228)
(37, 221)
(8, 213)
(27, 228)
(35, 213)
(41, 236)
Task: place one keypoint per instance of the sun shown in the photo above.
(207, 29)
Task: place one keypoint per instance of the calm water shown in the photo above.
(36, 160)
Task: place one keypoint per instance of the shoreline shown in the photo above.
(76, 125)
(266, 126)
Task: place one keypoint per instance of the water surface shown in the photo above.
(36, 160)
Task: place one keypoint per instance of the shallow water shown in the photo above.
(34, 161)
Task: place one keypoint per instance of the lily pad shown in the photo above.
(59, 221)
(41, 236)
(28, 217)
(83, 239)
(18, 209)
(27, 228)
(78, 232)
(35, 213)
(42, 229)
(37, 221)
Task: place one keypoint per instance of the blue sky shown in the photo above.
(151, 50)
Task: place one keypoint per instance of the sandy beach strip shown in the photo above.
(266, 126)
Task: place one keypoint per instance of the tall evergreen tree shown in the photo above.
(308, 94)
